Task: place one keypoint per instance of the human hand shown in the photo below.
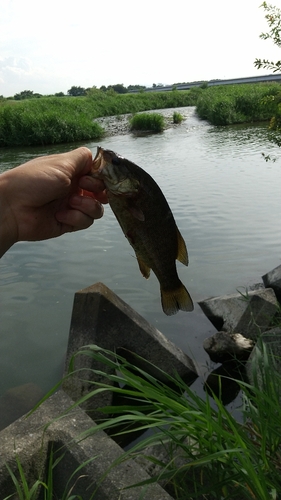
(45, 198)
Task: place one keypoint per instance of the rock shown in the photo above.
(249, 314)
(223, 381)
(226, 346)
(273, 280)
(87, 465)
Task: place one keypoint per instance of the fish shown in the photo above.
(146, 220)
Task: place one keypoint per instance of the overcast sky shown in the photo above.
(49, 46)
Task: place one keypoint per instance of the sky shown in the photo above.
(48, 46)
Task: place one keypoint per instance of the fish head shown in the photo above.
(114, 170)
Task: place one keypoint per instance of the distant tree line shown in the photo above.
(77, 91)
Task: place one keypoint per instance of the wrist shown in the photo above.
(7, 232)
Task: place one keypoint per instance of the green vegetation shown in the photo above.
(208, 452)
(30, 119)
(45, 121)
(177, 117)
(228, 104)
(273, 18)
(149, 122)
(25, 491)
(51, 120)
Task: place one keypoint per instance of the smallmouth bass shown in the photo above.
(148, 223)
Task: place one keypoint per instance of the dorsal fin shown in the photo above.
(182, 255)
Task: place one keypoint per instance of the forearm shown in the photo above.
(7, 236)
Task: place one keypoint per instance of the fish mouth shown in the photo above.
(98, 162)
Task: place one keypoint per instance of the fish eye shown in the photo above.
(116, 160)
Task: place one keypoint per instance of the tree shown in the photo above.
(76, 91)
(273, 17)
(25, 94)
(136, 87)
(119, 88)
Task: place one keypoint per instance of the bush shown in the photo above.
(22, 125)
(177, 117)
(228, 104)
(151, 122)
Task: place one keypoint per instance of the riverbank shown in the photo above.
(55, 120)
(231, 104)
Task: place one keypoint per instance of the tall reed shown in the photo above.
(208, 453)
(52, 120)
(228, 104)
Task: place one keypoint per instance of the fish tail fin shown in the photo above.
(175, 300)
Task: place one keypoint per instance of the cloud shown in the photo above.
(18, 72)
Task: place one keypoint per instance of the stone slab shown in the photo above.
(248, 315)
(273, 280)
(100, 317)
(29, 440)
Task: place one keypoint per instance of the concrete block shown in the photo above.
(272, 341)
(29, 439)
(273, 280)
(248, 316)
(100, 317)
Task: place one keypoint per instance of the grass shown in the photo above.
(27, 124)
(177, 117)
(45, 488)
(148, 122)
(208, 453)
(228, 104)
(52, 120)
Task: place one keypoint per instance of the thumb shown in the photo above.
(81, 160)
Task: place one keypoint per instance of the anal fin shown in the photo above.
(144, 268)
(182, 255)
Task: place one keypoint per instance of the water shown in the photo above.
(226, 201)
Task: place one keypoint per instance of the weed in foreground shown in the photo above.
(208, 453)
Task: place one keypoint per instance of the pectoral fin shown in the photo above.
(137, 213)
(144, 268)
(182, 255)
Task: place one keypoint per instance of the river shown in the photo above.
(226, 200)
